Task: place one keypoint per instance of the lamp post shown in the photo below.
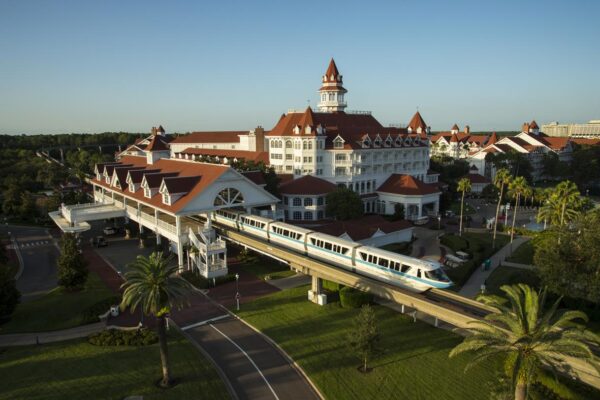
(439, 218)
(237, 291)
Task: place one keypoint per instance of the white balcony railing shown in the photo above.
(167, 226)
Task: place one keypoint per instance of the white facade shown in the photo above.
(591, 130)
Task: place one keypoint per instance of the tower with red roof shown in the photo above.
(332, 90)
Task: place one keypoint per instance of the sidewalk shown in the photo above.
(478, 278)
(26, 339)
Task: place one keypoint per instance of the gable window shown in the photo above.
(338, 143)
(166, 198)
(131, 188)
(147, 192)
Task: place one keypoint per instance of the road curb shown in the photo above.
(197, 345)
(19, 257)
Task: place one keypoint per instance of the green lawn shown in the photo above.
(57, 309)
(504, 275)
(523, 254)
(478, 245)
(263, 267)
(79, 370)
(414, 363)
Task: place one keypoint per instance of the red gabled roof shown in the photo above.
(493, 139)
(454, 138)
(211, 137)
(156, 144)
(363, 228)
(477, 178)
(307, 185)
(407, 185)
(208, 173)
(417, 122)
(455, 127)
(555, 143)
(533, 125)
(255, 176)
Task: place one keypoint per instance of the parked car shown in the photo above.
(110, 230)
(449, 213)
(421, 221)
(101, 242)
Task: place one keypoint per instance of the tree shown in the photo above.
(527, 336)
(343, 204)
(153, 285)
(364, 337)
(571, 267)
(501, 180)
(568, 198)
(398, 212)
(72, 267)
(518, 188)
(9, 294)
(464, 185)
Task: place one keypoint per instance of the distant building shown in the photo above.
(457, 144)
(591, 130)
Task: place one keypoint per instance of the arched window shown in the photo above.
(297, 215)
(308, 216)
(308, 201)
(288, 144)
(297, 202)
(323, 97)
(330, 96)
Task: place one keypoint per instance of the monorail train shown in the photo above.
(403, 271)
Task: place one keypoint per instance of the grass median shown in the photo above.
(414, 363)
(79, 370)
(58, 309)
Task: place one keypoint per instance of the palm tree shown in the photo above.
(528, 337)
(152, 284)
(518, 188)
(569, 199)
(464, 185)
(501, 180)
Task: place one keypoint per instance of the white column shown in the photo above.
(179, 243)
(420, 213)
(208, 221)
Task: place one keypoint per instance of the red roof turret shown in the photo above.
(417, 122)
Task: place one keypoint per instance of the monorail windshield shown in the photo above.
(437, 275)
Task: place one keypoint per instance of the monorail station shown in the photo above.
(172, 198)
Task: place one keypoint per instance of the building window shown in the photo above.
(307, 159)
(297, 202)
(320, 201)
(285, 200)
(319, 159)
(319, 214)
(308, 201)
(338, 144)
(288, 144)
(147, 192)
(297, 215)
(319, 172)
(286, 215)
(131, 188)
(308, 216)
(166, 199)
(340, 157)
(289, 157)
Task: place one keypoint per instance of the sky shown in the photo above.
(96, 66)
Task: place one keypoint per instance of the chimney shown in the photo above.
(259, 132)
(467, 129)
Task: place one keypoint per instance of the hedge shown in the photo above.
(115, 337)
(201, 282)
(353, 298)
(332, 286)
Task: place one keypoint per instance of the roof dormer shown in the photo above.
(338, 142)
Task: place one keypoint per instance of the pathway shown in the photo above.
(473, 286)
(26, 339)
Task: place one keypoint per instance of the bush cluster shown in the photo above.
(201, 282)
(456, 243)
(90, 315)
(115, 337)
(353, 298)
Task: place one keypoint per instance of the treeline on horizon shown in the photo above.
(40, 141)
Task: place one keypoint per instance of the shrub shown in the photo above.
(115, 337)
(454, 242)
(332, 286)
(201, 282)
(90, 315)
(9, 294)
(353, 298)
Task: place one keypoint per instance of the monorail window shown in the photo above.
(405, 268)
(383, 262)
(328, 246)
(418, 273)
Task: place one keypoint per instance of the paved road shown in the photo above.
(39, 258)
(254, 367)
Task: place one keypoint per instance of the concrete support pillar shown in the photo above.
(436, 207)
(316, 294)
(158, 238)
(208, 221)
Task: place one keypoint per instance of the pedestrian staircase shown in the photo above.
(208, 252)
